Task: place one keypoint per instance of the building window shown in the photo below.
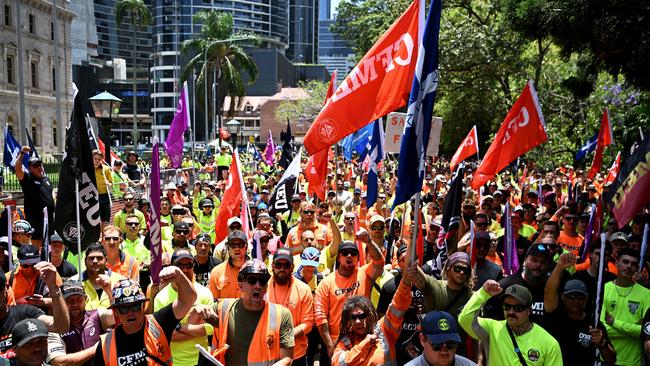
(34, 132)
(53, 79)
(55, 138)
(52, 31)
(34, 73)
(10, 70)
(8, 15)
(249, 109)
(32, 24)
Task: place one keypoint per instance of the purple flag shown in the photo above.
(154, 218)
(584, 251)
(180, 124)
(510, 258)
(269, 152)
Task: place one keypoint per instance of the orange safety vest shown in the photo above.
(265, 345)
(155, 342)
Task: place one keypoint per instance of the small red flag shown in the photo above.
(379, 84)
(232, 199)
(605, 138)
(332, 87)
(316, 173)
(613, 171)
(100, 146)
(522, 130)
(224, 134)
(467, 148)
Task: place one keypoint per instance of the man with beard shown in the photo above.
(205, 263)
(30, 337)
(249, 329)
(624, 306)
(77, 345)
(223, 277)
(119, 219)
(308, 222)
(404, 351)
(348, 280)
(484, 269)
(296, 296)
(10, 315)
(97, 279)
(533, 277)
(515, 341)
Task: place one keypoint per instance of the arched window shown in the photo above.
(35, 131)
(55, 137)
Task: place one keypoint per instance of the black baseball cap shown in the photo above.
(34, 160)
(28, 255)
(72, 287)
(26, 330)
(348, 245)
(283, 253)
(237, 234)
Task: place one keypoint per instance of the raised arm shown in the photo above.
(60, 321)
(182, 304)
(20, 174)
(551, 298)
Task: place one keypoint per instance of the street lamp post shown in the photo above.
(105, 106)
(233, 126)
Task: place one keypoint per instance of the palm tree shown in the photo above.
(140, 17)
(219, 45)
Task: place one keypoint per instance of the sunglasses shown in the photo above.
(263, 281)
(182, 232)
(576, 297)
(132, 224)
(361, 317)
(112, 238)
(188, 265)
(308, 212)
(462, 269)
(178, 212)
(237, 245)
(450, 346)
(481, 224)
(278, 265)
(346, 253)
(379, 227)
(350, 218)
(129, 309)
(128, 199)
(517, 308)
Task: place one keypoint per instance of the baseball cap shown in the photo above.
(618, 236)
(126, 292)
(539, 249)
(26, 330)
(262, 206)
(440, 327)
(520, 293)
(181, 254)
(482, 235)
(377, 218)
(575, 286)
(348, 245)
(237, 234)
(55, 237)
(233, 220)
(295, 197)
(283, 253)
(28, 255)
(34, 160)
(22, 227)
(72, 287)
(181, 225)
(310, 257)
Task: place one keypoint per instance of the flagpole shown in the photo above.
(76, 191)
(416, 228)
(599, 286)
(46, 239)
(10, 240)
(644, 246)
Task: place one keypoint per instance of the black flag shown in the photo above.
(452, 207)
(287, 148)
(281, 199)
(77, 165)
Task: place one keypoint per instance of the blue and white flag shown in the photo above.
(357, 141)
(11, 151)
(375, 148)
(415, 138)
(588, 147)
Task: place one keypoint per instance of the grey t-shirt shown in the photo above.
(458, 361)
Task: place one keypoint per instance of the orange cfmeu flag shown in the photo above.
(316, 173)
(232, 199)
(613, 171)
(522, 130)
(605, 138)
(379, 84)
(467, 148)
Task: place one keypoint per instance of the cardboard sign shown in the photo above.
(395, 126)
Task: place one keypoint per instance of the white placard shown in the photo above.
(395, 126)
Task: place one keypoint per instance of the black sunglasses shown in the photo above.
(125, 309)
(346, 253)
(517, 308)
(450, 346)
(462, 269)
(252, 280)
(279, 265)
(132, 224)
(308, 212)
(182, 232)
(361, 316)
(188, 265)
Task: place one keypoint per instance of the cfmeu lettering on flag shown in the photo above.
(519, 121)
(388, 58)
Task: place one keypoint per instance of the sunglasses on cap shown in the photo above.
(360, 317)
(125, 309)
(449, 346)
(252, 280)
(517, 308)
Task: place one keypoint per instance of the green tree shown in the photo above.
(304, 110)
(219, 46)
(140, 16)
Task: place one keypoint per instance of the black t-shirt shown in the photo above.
(411, 317)
(15, 314)
(38, 194)
(591, 283)
(493, 308)
(133, 172)
(130, 347)
(66, 269)
(202, 271)
(573, 336)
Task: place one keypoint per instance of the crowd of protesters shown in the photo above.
(328, 281)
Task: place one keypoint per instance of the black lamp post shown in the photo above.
(233, 126)
(105, 105)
